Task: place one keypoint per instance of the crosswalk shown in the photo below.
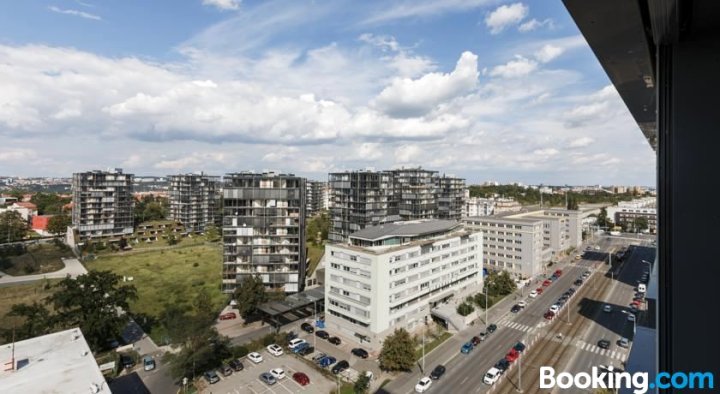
(593, 348)
(514, 325)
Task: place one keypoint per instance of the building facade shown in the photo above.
(315, 197)
(450, 194)
(103, 203)
(391, 276)
(415, 192)
(264, 230)
(194, 200)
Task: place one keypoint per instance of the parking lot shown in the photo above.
(248, 380)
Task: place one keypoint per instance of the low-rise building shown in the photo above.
(391, 276)
(40, 223)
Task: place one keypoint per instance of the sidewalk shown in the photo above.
(73, 268)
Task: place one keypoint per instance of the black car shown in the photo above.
(491, 328)
(291, 335)
(334, 340)
(437, 372)
(237, 365)
(604, 344)
(306, 350)
(127, 361)
(362, 353)
(571, 290)
(578, 282)
(307, 327)
(226, 370)
(319, 356)
(211, 377)
(515, 309)
(502, 365)
(340, 366)
(519, 347)
(322, 334)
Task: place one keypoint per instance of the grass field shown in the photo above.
(40, 259)
(163, 277)
(19, 294)
(432, 344)
(314, 254)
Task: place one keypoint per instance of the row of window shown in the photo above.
(350, 257)
(412, 266)
(352, 270)
(350, 282)
(425, 296)
(365, 301)
(432, 271)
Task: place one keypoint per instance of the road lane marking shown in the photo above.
(464, 380)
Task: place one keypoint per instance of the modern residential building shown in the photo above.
(316, 197)
(194, 200)
(510, 244)
(450, 195)
(264, 230)
(478, 206)
(391, 276)
(360, 199)
(61, 362)
(102, 203)
(415, 192)
(628, 217)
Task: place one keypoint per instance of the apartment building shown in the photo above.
(515, 245)
(102, 203)
(264, 230)
(627, 213)
(503, 205)
(390, 276)
(316, 197)
(194, 200)
(450, 194)
(562, 228)
(477, 206)
(415, 191)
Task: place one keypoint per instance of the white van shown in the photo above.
(642, 288)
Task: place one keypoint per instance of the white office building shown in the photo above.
(389, 276)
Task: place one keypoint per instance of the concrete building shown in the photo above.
(503, 205)
(478, 206)
(415, 193)
(316, 197)
(450, 194)
(627, 217)
(264, 230)
(510, 244)
(195, 200)
(26, 210)
(55, 363)
(103, 203)
(562, 228)
(391, 276)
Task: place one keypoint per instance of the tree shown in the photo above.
(572, 203)
(12, 227)
(640, 223)
(58, 224)
(602, 218)
(465, 309)
(36, 320)
(362, 384)
(48, 203)
(170, 236)
(249, 294)
(398, 351)
(500, 283)
(212, 233)
(96, 302)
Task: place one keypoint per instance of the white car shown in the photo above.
(275, 350)
(295, 343)
(522, 304)
(278, 373)
(607, 308)
(597, 248)
(491, 376)
(623, 342)
(554, 308)
(631, 317)
(533, 294)
(423, 385)
(255, 357)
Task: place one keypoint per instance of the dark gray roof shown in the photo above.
(408, 229)
(293, 301)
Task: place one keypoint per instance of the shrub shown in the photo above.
(465, 309)
(239, 351)
(195, 264)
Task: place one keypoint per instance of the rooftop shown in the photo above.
(55, 363)
(405, 229)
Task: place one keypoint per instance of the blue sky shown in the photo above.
(487, 90)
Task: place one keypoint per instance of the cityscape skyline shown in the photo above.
(520, 99)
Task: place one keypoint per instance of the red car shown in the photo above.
(512, 355)
(549, 315)
(547, 282)
(301, 378)
(636, 303)
(558, 273)
(539, 290)
(228, 316)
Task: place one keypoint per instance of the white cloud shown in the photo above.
(518, 67)
(80, 14)
(369, 151)
(384, 42)
(405, 154)
(546, 152)
(414, 97)
(17, 155)
(192, 162)
(504, 16)
(581, 142)
(533, 24)
(223, 4)
(422, 8)
(548, 52)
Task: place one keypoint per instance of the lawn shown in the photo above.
(39, 259)
(165, 277)
(429, 346)
(19, 294)
(315, 253)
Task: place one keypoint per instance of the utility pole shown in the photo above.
(520, 388)
(423, 352)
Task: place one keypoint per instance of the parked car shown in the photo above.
(255, 357)
(327, 361)
(491, 328)
(539, 290)
(604, 344)
(558, 273)
(268, 378)
(547, 282)
(522, 304)
(362, 353)
(127, 361)
(475, 341)
(578, 282)
(512, 355)
(304, 351)
(533, 294)
(554, 308)
(607, 308)
(437, 372)
(520, 347)
(148, 363)
(228, 316)
(423, 385)
(549, 315)
(492, 376)
(236, 364)
(301, 378)
(482, 336)
(295, 343)
(467, 347)
(226, 370)
(307, 327)
(301, 347)
(275, 350)
(623, 342)
(277, 373)
(340, 366)
(502, 365)
(318, 357)
(322, 334)
(290, 336)
(631, 317)
(211, 377)
(334, 340)
(515, 308)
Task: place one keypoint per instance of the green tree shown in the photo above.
(48, 203)
(170, 236)
(30, 321)
(249, 294)
(640, 223)
(572, 203)
(96, 302)
(212, 233)
(58, 224)
(465, 309)
(602, 218)
(398, 351)
(362, 384)
(150, 208)
(500, 283)
(201, 352)
(12, 227)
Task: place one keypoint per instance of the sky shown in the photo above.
(483, 89)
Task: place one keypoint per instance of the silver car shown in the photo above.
(267, 378)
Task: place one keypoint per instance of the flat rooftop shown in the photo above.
(55, 363)
(405, 229)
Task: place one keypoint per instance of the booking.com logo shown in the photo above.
(639, 381)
